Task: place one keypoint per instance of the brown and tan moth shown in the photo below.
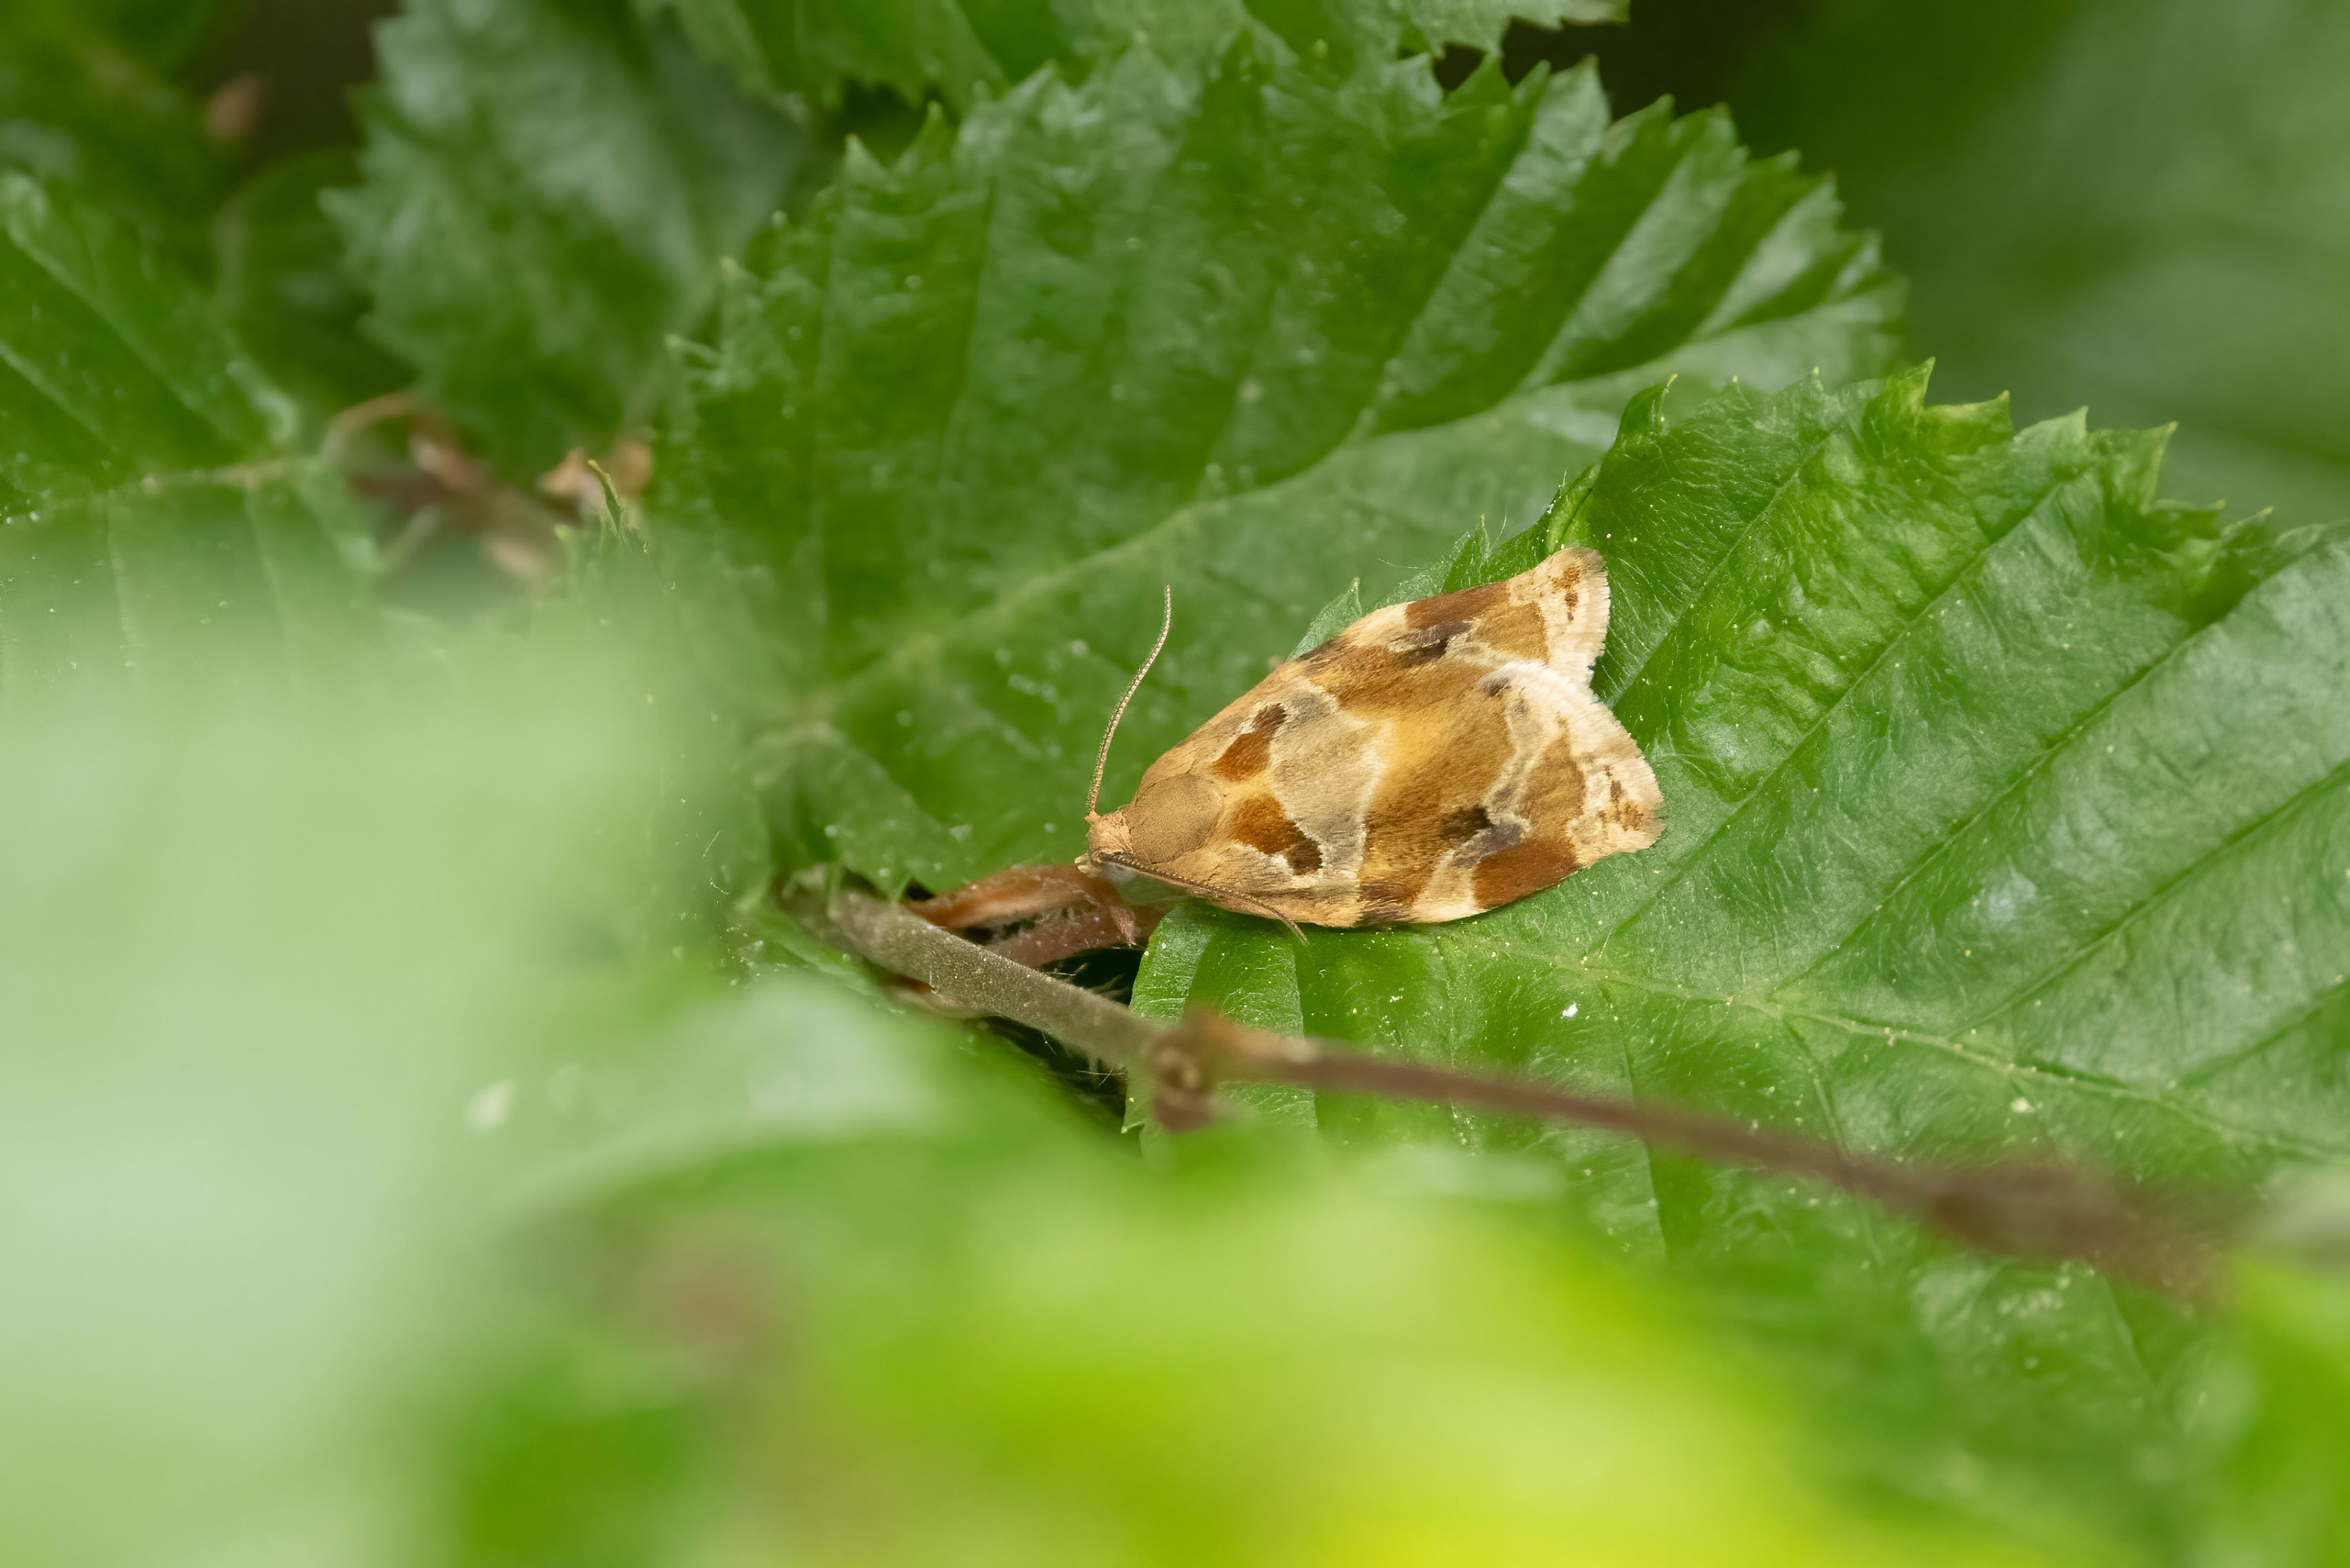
(1433, 760)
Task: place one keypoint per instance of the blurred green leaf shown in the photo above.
(2141, 207)
(153, 585)
(160, 32)
(1237, 330)
(112, 366)
(282, 286)
(78, 109)
(962, 49)
(270, 949)
(152, 494)
(548, 189)
(2277, 1398)
(2004, 812)
(939, 1321)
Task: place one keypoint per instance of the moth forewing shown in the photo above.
(1433, 760)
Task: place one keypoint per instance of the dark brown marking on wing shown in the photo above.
(1375, 680)
(1622, 811)
(1261, 823)
(1463, 824)
(1251, 751)
(1467, 605)
(1522, 868)
(1421, 645)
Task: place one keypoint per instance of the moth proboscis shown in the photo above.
(1433, 760)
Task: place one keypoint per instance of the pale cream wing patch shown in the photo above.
(1570, 591)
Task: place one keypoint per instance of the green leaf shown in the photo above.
(1481, 24)
(150, 492)
(817, 46)
(2278, 1393)
(282, 288)
(965, 49)
(1238, 330)
(112, 367)
(78, 110)
(2005, 811)
(548, 191)
(276, 954)
(2137, 206)
(1340, 1366)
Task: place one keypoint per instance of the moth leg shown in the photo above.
(1035, 914)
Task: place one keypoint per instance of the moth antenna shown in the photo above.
(1267, 910)
(1101, 758)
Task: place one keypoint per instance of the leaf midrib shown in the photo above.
(246, 476)
(910, 651)
(1581, 964)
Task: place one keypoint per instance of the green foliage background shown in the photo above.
(423, 1141)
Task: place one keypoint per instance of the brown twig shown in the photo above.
(2038, 1209)
(969, 975)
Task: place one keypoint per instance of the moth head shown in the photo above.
(1171, 815)
(1108, 839)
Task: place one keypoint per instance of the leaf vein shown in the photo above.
(1984, 544)
(2019, 1071)
(2217, 854)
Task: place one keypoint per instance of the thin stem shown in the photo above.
(2027, 1209)
(969, 975)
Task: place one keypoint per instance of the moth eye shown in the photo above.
(1172, 817)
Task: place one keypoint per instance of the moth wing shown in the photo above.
(1228, 812)
(1434, 760)
(1577, 790)
(1570, 590)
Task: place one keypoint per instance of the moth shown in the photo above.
(1433, 760)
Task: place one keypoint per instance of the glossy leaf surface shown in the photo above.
(1233, 329)
(963, 49)
(547, 193)
(2004, 813)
